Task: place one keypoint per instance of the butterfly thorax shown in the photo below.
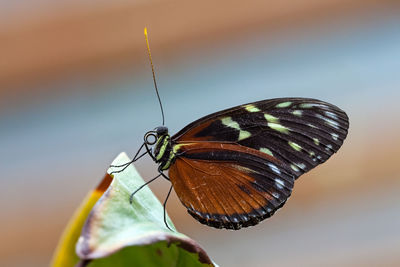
(162, 151)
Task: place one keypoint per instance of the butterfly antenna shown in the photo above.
(154, 75)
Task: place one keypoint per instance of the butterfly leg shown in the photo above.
(166, 199)
(165, 212)
(143, 185)
(162, 174)
(125, 165)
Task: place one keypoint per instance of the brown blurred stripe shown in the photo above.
(92, 38)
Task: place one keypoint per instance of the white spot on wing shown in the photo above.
(334, 136)
(316, 141)
(284, 104)
(275, 195)
(328, 147)
(252, 108)
(227, 121)
(279, 183)
(294, 167)
(312, 155)
(330, 122)
(244, 135)
(266, 151)
(311, 105)
(331, 115)
(301, 165)
(298, 113)
(271, 118)
(295, 146)
(278, 127)
(274, 168)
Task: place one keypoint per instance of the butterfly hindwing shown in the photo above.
(229, 186)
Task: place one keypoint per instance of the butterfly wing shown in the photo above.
(300, 132)
(236, 167)
(228, 186)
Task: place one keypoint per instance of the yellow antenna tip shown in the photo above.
(145, 31)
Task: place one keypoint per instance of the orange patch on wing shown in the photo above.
(215, 187)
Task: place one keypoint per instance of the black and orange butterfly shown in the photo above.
(237, 167)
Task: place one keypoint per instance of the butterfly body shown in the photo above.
(236, 167)
(163, 154)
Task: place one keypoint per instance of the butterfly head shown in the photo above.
(161, 131)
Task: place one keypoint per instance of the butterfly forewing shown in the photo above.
(241, 155)
(301, 132)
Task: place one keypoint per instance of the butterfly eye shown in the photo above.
(150, 138)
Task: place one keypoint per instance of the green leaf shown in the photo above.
(118, 233)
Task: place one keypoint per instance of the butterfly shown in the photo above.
(237, 167)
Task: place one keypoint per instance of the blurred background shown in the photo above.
(76, 90)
